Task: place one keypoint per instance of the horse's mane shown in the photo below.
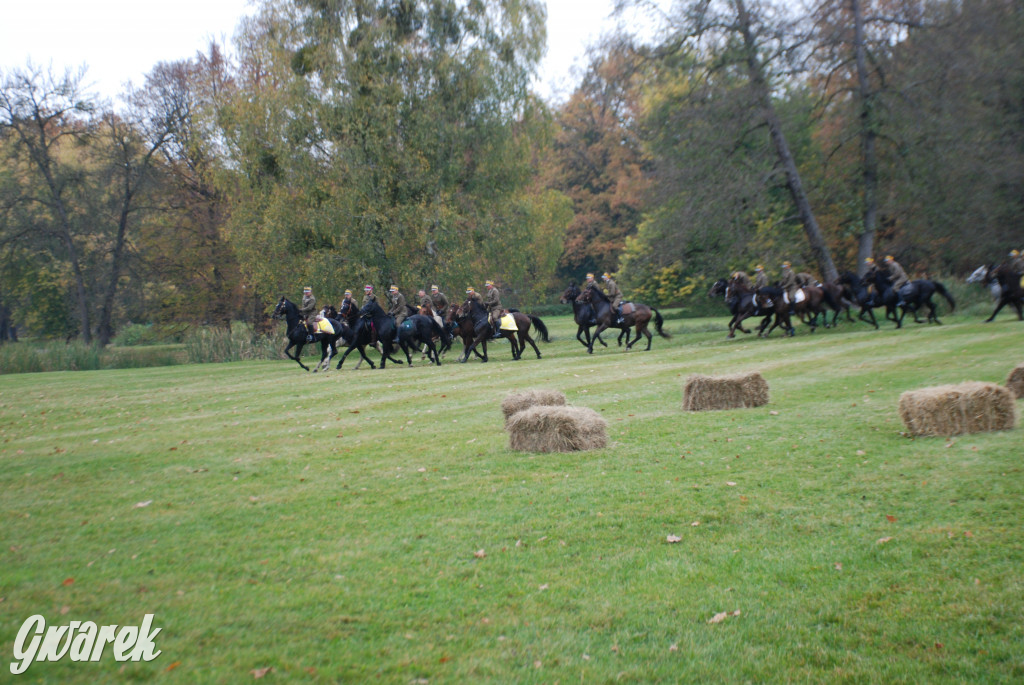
(595, 291)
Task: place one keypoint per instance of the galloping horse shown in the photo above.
(473, 327)
(741, 303)
(639, 317)
(855, 290)
(372, 321)
(582, 314)
(919, 293)
(779, 308)
(1011, 291)
(418, 330)
(299, 335)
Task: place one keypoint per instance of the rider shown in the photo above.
(346, 302)
(493, 303)
(788, 281)
(805, 280)
(611, 289)
(897, 276)
(368, 295)
(741, 279)
(760, 277)
(308, 308)
(397, 309)
(438, 301)
(1017, 262)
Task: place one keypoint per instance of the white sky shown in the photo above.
(121, 40)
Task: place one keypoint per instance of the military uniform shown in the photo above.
(897, 276)
(493, 303)
(805, 280)
(368, 298)
(760, 278)
(1017, 262)
(398, 309)
(308, 308)
(788, 282)
(611, 288)
(439, 302)
(741, 279)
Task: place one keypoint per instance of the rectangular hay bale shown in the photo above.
(1015, 381)
(972, 407)
(545, 428)
(518, 401)
(737, 391)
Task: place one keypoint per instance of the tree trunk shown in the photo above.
(796, 189)
(106, 328)
(866, 243)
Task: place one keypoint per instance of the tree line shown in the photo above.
(339, 143)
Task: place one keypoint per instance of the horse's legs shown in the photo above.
(580, 330)
(1002, 301)
(298, 352)
(624, 332)
(600, 327)
(524, 337)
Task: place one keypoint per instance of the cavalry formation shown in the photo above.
(425, 331)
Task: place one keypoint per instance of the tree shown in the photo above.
(42, 117)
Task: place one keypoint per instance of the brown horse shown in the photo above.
(778, 307)
(638, 318)
(1011, 292)
(473, 327)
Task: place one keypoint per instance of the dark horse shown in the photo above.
(741, 303)
(372, 320)
(917, 294)
(472, 325)
(1010, 290)
(779, 308)
(418, 330)
(299, 334)
(856, 290)
(606, 318)
(583, 315)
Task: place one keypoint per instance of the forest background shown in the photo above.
(340, 142)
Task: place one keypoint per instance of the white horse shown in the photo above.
(980, 275)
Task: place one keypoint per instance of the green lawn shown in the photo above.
(374, 526)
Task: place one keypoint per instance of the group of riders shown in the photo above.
(434, 304)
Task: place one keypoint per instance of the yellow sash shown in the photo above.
(324, 326)
(508, 323)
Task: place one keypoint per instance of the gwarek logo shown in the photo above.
(82, 641)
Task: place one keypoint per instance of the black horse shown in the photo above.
(583, 315)
(778, 308)
(419, 330)
(741, 303)
(856, 290)
(917, 294)
(639, 316)
(474, 328)
(299, 334)
(1010, 290)
(372, 321)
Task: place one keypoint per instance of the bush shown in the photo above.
(213, 345)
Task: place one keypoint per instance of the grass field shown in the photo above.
(374, 526)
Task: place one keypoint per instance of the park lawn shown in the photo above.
(374, 526)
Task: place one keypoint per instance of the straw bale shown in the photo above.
(1015, 381)
(703, 393)
(545, 428)
(517, 402)
(972, 407)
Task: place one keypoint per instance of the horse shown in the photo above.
(1011, 291)
(980, 276)
(836, 302)
(475, 329)
(741, 304)
(856, 290)
(372, 320)
(638, 318)
(919, 293)
(582, 314)
(773, 301)
(299, 335)
(419, 330)
(447, 328)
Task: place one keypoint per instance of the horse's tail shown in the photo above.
(941, 289)
(439, 330)
(830, 299)
(658, 321)
(541, 328)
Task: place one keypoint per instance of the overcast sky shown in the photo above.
(121, 40)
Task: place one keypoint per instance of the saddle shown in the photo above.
(627, 308)
(797, 299)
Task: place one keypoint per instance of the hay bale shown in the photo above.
(517, 402)
(972, 407)
(545, 428)
(704, 393)
(1015, 381)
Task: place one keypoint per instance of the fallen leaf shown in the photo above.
(64, 610)
(673, 648)
(673, 538)
(139, 505)
(173, 665)
(68, 581)
(938, 645)
(773, 413)
(695, 523)
(861, 453)
(838, 566)
(968, 534)
(884, 540)
(544, 586)
(260, 672)
(719, 617)
(890, 518)
(537, 664)
(730, 483)
(479, 554)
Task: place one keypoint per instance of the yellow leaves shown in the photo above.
(721, 616)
